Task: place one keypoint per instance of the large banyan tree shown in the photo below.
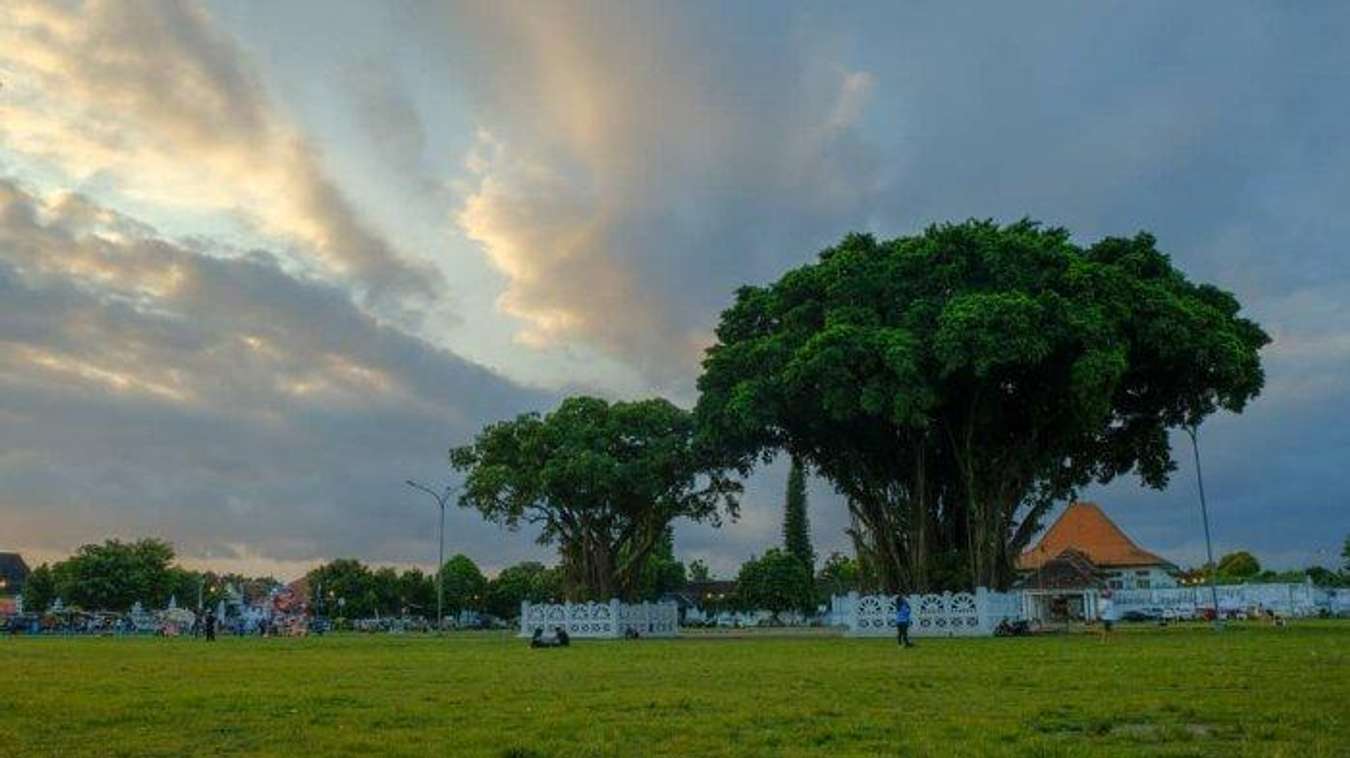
(603, 481)
(955, 384)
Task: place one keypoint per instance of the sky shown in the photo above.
(262, 262)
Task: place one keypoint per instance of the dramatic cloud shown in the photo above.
(625, 185)
(149, 98)
(147, 389)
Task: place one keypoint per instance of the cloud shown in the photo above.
(248, 414)
(624, 184)
(151, 99)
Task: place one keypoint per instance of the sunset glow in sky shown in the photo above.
(261, 262)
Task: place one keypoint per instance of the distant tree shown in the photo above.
(385, 593)
(838, 576)
(39, 590)
(777, 581)
(662, 573)
(343, 588)
(465, 585)
(417, 593)
(698, 571)
(531, 580)
(796, 521)
(1239, 565)
(1324, 577)
(601, 480)
(1345, 556)
(955, 384)
(116, 575)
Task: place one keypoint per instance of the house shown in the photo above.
(1082, 554)
(13, 573)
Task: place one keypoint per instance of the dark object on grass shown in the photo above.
(1019, 628)
(560, 638)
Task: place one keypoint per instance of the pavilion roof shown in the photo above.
(1085, 528)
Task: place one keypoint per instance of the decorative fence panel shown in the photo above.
(960, 614)
(601, 620)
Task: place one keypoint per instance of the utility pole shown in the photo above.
(1204, 516)
(441, 499)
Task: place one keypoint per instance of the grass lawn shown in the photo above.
(1176, 691)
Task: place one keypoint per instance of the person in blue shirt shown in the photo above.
(902, 619)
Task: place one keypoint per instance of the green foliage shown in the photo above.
(347, 588)
(39, 590)
(953, 385)
(777, 581)
(796, 522)
(530, 581)
(662, 573)
(1239, 565)
(465, 585)
(1345, 556)
(698, 571)
(116, 575)
(1325, 577)
(601, 480)
(839, 575)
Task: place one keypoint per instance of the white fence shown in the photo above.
(961, 614)
(601, 620)
(1293, 600)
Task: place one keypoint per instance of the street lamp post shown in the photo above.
(441, 500)
(1204, 516)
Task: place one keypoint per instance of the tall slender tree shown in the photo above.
(796, 522)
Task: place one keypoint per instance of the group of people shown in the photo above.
(560, 638)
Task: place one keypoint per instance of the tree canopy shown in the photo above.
(601, 480)
(464, 584)
(777, 581)
(954, 384)
(1239, 565)
(530, 581)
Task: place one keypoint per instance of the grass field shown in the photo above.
(1176, 691)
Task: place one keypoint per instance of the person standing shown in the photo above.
(903, 616)
(210, 626)
(1108, 613)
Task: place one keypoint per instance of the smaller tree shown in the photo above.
(39, 591)
(776, 582)
(417, 592)
(838, 576)
(698, 571)
(464, 585)
(1239, 565)
(531, 581)
(342, 589)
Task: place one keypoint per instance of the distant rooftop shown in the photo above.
(1085, 528)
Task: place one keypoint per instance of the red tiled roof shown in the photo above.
(1086, 529)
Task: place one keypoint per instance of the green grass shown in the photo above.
(1177, 691)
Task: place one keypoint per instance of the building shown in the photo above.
(1081, 555)
(13, 573)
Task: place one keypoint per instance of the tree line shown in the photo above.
(952, 385)
(115, 575)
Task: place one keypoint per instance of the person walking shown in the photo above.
(902, 620)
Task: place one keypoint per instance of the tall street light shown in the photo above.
(1204, 516)
(441, 499)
